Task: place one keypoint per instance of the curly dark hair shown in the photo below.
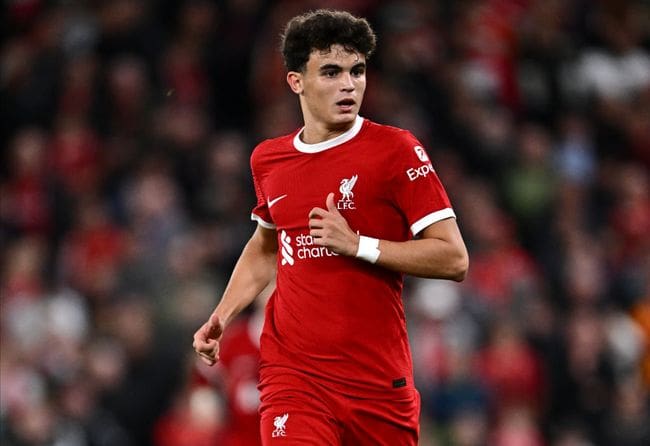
(319, 30)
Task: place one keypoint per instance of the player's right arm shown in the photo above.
(254, 270)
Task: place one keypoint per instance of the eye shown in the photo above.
(358, 71)
(330, 73)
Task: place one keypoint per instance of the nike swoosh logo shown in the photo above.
(275, 200)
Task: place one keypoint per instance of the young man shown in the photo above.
(345, 207)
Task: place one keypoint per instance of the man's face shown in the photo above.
(332, 86)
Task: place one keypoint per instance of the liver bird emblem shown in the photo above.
(279, 423)
(346, 187)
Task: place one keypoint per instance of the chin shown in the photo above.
(345, 118)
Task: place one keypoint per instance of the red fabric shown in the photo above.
(300, 411)
(340, 319)
(239, 357)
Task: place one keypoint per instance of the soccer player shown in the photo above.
(345, 207)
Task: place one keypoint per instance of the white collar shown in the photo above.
(330, 143)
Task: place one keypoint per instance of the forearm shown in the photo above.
(430, 258)
(440, 253)
(254, 270)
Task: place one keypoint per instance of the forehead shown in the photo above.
(337, 55)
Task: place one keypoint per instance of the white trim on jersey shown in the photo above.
(432, 218)
(330, 143)
(261, 222)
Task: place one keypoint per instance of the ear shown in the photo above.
(294, 79)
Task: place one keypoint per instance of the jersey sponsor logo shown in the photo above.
(287, 250)
(279, 423)
(421, 153)
(275, 200)
(419, 172)
(305, 248)
(347, 196)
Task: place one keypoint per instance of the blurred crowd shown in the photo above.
(125, 195)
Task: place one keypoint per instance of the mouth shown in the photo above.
(346, 104)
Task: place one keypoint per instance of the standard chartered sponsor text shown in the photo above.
(308, 250)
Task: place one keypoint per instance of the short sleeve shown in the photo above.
(260, 212)
(417, 190)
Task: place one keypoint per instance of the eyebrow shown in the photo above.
(331, 66)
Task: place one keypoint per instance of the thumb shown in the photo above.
(215, 326)
(331, 206)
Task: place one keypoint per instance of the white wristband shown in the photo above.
(368, 249)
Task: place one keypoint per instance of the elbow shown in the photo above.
(454, 268)
(459, 267)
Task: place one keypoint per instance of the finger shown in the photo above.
(331, 206)
(208, 355)
(320, 241)
(317, 212)
(316, 223)
(202, 336)
(209, 349)
(209, 361)
(199, 342)
(206, 347)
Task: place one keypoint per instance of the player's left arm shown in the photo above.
(439, 253)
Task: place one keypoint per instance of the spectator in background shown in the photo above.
(529, 187)
(25, 197)
(471, 78)
(93, 251)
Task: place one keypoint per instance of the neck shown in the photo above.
(311, 135)
(315, 132)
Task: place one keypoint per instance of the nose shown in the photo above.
(347, 83)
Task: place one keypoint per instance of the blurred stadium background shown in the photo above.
(125, 131)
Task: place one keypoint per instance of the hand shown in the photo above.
(206, 340)
(330, 229)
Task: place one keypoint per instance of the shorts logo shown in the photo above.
(287, 250)
(346, 201)
(279, 422)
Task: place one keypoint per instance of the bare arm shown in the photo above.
(439, 253)
(253, 272)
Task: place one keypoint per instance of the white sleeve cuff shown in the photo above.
(260, 221)
(431, 218)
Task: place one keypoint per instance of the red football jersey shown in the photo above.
(239, 359)
(334, 318)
